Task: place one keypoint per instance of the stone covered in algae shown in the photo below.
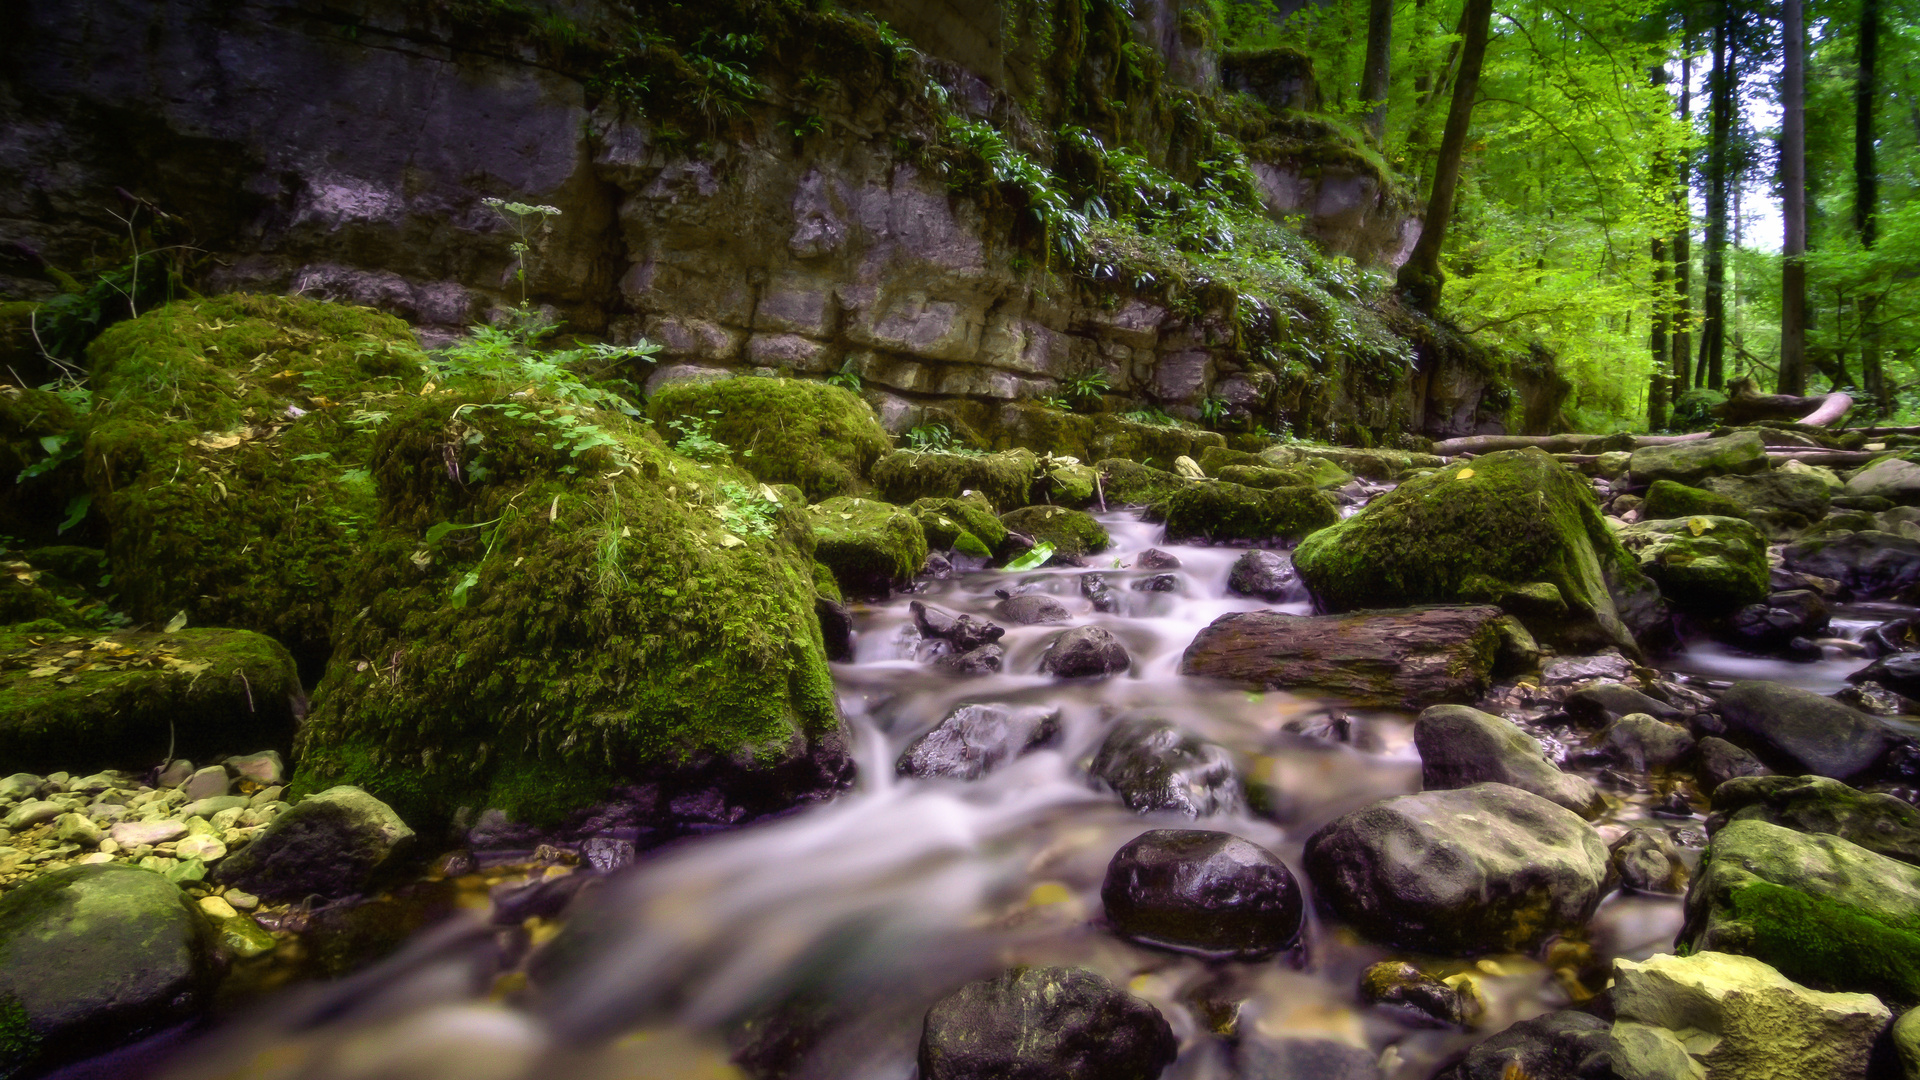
(1224, 512)
(1005, 478)
(822, 439)
(871, 547)
(967, 525)
(1071, 532)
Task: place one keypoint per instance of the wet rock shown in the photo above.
(1408, 658)
(871, 547)
(1563, 1045)
(1717, 761)
(1096, 589)
(1746, 1020)
(1880, 823)
(937, 567)
(836, 628)
(1042, 1023)
(1899, 673)
(31, 813)
(1266, 574)
(1460, 747)
(974, 739)
(1772, 625)
(963, 632)
(1158, 583)
(264, 768)
(1802, 731)
(1156, 767)
(1223, 513)
(604, 853)
(1703, 565)
(1573, 670)
(906, 476)
(1646, 861)
(1413, 995)
(1084, 652)
(1071, 532)
(94, 956)
(207, 783)
(19, 786)
(1666, 499)
(1692, 462)
(1891, 478)
(1641, 743)
(1155, 559)
(1484, 868)
(1030, 609)
(1303, 1059)
(1599, 705)
(1868, 564)
(328, 844)
(1210, 893)
(985, 660)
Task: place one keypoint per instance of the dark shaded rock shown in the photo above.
(1564, 1045)
(1460, 747)
(1409, 658)
(1210, 893)
(1083, 652)
(1599, 705)
(1639, 742)
(1268, 575)
(1303, 1059)
(1812, 804)
(836, 628)
(1044, 1024)
(1158, 583)
(936, 567)
(985, 660)
(329, 844)
(1155, 767)
(975, 739)
(1899, 673)
(1868, 564)
(1645, 860)
(1071, 532)
(1478, 869)
(1802, 732)
(964, 632)
(1096, 589)
(94, 956)
(1773, 624)
(1717, 761)
(1155, 559)
(1415, 996)
(1030, 609)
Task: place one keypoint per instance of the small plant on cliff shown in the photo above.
(529, 222)
(1083, 387)
(932, 437)
(1213, 411)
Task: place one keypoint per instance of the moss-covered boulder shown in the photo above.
(38, 434)
(98, 701)
(1129, 483)
(1263, 476)
(1221, 512)
(582, 607)
(1064, 482)
(1666, 499)
(1489, 530)
(822, 439)
(1072, 533)
(1775, 489)
(967, 525)
(1004, 478)
(227, 452)
(1694, 461)
(871, 547)
(1704, 565)
(1374, 464)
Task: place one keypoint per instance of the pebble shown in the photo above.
(138, 833)
(208, 783)
(245, 901)
(206, 808)
(33, 813)
(217, 908)
(78, 829)
(205, 848)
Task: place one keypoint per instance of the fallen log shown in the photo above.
(1746, 404)
(1487, 444)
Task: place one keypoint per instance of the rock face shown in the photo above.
(1210, 893)
(1221, 512)
(1488, 532)
(1704, 565)
(1692, 462)
(1155, 768)
(1477, 869)
(330, 844)
(1802, 732)
(1460, 747)
(92, 956)
(975, 739)
(1039, 1023)
(1745, 1020)
(1408, 658)
(819, 438)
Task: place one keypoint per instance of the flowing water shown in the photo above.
(835, 928)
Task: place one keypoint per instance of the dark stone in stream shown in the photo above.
(1409, 658)
(1031, 609)
(985, 660)
(836, 628)
(1155, 559)
(1773, 625)
(1049, 1023)
(1156, 767)
(1899, 673)
(1084, 652)
(1599, 705)
(1096, 589)
(1303, 1059)
(1268, 575)
(1158, 583)
(963, 632)
(1892, 636)
(1645, 861)
(1210, 893)
(329, 844)
(1811, 804)
(1398, 987)
(1717, 761)
(1869, 564)
(1460, 747)
(1641, 743)
(1564, 1045)
(1803, 732)
(937, 567)
(975, 739)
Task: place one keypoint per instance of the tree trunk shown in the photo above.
(1373, 80)
(1866, 197)
(1713, 329)
(1420, 276)
(1682, 320)
(1657, 381)
(1793, 184)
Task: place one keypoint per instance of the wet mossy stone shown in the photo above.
(1225, 513)
(1802, 732)
(1496, 523)
(871, 547)
(329, 844)
(1703, 565)
(1374, 464)
(1064, 483)
(227, 452)
(1004, 478)
(1460, 747)
(1129, 483)
(32, 422)
(1878, 822)
(1046, 1023)
(1773, 489)
(1072, 533)
(1693, 462)
(946, 521)
(624, 615)
(823, 439)
(1263, 477)
(128, 696)
(1204, 892)
(1825, 911)
(95, 956)
(1666, 499)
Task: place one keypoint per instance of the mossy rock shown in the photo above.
(1775, 489)
(1666, 499)
(1511, 519)
(227, 453)
(1072, 533)
(57, 584)
(622, 615)
(1005, 478)
(870, 546)
(1129, 483)
(1693, 410)
(946, 521)
(1214, 458)
(1065, 483)
(1045, 430)
(1223, 513)
(36, 425)
(1374, 464)
(1693, 462)
(821, 438)
(1263, 476)
(1705, 565)
(129, 696)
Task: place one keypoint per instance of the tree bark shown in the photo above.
(1682, 321)
(1866, 197)
(1657, 381)
(1713, 330)
(1793, 211)
(1420, 276)
(1374, 79)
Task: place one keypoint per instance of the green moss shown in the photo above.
(1710, 565)
(36, 507)
(946, 521)
(905, 476)
(824, 583)
(1212, 459)
(18, 1043)
(1065, 483)
(871, 547)
(1828, 945)
(821, 438)
(1223, 512)
(1129, 483)
(1666, 499)
(1071, 532)
(1262, 476)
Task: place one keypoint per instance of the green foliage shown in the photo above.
(696, 439)
(749, 512)
(935, 437)
(512, 355)
(1083, 387)
(1034, 558)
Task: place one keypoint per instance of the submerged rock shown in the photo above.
(1646, 861)
(1257, 1058)
(1031, 609)
(1043, 1023)
(1409, 658)
(329, 844)
(1084, 652)
(1157, 767)
(974, 739)
(1460, 747)
(1210, 893)
(1565, 1045)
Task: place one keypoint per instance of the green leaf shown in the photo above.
(52, 443)
(76, 512)
(467, 581)
(1035, 558)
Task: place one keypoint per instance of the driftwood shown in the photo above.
(1745, 404)
(1405, 658)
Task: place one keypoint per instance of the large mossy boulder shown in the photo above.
(1072, 533)
(1666, 499)
(597, 610)
(1221, 512)
(1129, 483)
(1703, 565)
(1802, 732)
(1787, 490)
(330, 844)
(968, 526)
(120, 700)
(1876, 821)
(1514, 528)
(95, 956)
(227, 453)
(1692, 462)
(1005, 478)
(820, 438)
(871, 547)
